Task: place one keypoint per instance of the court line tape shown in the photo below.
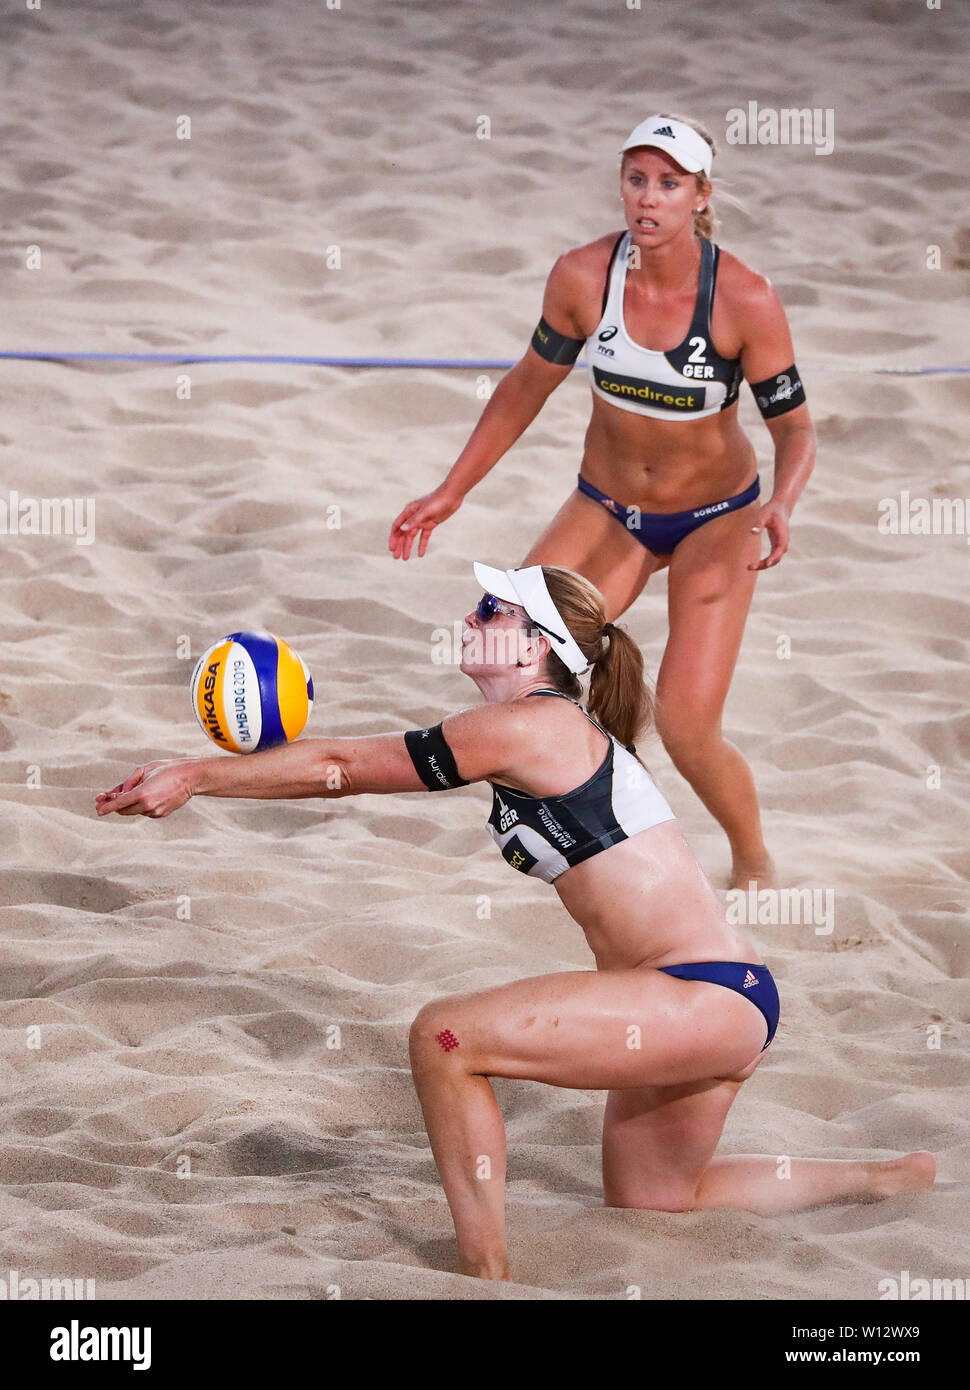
(456, 363)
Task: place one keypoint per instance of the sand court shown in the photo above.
(203, 1083)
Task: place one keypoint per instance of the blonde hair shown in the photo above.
(618, 694)
(705, 222)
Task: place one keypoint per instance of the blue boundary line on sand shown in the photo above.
(469, 364)
(286, 360)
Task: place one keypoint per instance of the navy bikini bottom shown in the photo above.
(660, 532)
(753, 981)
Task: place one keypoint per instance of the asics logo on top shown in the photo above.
(749, 980)
(665, 130)
(608, 333)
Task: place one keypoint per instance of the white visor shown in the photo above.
(527, 587)
(681, 142)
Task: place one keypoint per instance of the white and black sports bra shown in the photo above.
(543, 836)
(689, 382)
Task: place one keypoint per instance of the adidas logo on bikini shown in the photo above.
(749, 980)
(665, 130)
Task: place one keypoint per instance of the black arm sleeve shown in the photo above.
(780, 393)
(433, 760)
(554, 347)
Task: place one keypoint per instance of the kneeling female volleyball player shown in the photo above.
(679, 1010)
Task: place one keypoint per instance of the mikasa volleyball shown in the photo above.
(251, 691)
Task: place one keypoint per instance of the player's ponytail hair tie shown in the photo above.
(607, 632)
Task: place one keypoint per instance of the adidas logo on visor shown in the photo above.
(665, 130)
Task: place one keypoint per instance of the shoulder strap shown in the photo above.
(609, 272)
(563, 696)
(705, 289)
(597, 724)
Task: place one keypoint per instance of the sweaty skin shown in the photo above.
(665, 465)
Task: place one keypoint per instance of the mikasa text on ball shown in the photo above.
(251, 691)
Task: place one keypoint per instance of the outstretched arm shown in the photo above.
(483, 742)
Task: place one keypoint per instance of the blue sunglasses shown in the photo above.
(489, 605)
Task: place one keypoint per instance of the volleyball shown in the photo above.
(251, 691)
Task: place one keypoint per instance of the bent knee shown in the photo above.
(434, 1033)
(638, 1200)
(427, 1022)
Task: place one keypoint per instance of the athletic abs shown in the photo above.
(662, 466)
(638, 452)
(647, 902)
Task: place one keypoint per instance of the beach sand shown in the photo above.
(204, 1084)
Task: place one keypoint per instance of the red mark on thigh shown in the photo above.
(447, 1039)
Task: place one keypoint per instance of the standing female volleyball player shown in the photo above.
(670, 324)
(679, 1010)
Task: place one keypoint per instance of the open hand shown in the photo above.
(156, 789)
(420, 518)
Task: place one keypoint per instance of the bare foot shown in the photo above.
(909, 1173)
(756, 873)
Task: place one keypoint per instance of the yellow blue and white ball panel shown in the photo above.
(251, 691)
